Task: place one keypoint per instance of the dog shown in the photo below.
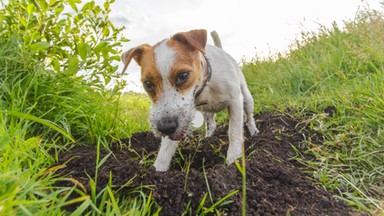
(183, 74)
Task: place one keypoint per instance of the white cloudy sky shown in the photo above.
(246, 27)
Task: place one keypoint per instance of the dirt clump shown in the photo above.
(276, 183)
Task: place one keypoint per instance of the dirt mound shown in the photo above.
(275, 183)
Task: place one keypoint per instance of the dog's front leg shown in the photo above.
(210, 123)
(235, 131)
(164, 157)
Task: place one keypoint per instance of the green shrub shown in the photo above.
(56, 57)
(56, 60)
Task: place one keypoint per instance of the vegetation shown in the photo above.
(336, 77)
(56, 57)
(55, 60)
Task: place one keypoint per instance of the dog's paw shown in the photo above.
(254, 131)
(161, 167)
(252, 128)
(233, 154)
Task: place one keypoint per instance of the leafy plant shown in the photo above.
(60, 59)
(65, 41)
(56, 57)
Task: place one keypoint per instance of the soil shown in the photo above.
(277, 184)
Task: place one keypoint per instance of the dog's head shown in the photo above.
(171, 73)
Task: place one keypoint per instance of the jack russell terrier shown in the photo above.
(184, 74)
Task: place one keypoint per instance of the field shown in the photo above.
(71, 146)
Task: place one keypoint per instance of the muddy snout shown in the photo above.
(167, 125)
(172, 118)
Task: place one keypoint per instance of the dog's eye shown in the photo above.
(181, 78)
(148, 85)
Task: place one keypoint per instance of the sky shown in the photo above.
(247, 28)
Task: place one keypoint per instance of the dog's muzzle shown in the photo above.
(167, 126)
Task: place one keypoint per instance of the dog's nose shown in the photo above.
(167, 126)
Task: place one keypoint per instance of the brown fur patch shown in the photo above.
(149, 72)
(186, 60)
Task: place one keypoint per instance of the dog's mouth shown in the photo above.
(177, 136)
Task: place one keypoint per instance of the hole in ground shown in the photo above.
(275, 183)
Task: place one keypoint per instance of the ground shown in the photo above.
(277, 184)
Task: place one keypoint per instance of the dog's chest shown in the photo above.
(212, 107)
(211, 100)
(209, 103)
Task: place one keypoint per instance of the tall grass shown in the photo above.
(342, 70)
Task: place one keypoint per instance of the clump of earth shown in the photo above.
(276, 183)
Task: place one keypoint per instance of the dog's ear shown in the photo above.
(196, 39)
(136, 53)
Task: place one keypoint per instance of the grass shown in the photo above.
(43, 112)
(46, 108)
(135, 109)
(341, 69)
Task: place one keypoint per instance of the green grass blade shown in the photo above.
(41, 121)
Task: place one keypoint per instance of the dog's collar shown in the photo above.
(208, 75)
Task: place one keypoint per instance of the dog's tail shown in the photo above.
(216, 39)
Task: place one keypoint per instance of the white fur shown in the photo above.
(165, 57)
(171, 104)
(164, 157)
(227, 89)
(210, 123)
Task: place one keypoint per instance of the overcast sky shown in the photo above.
(246, 27)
